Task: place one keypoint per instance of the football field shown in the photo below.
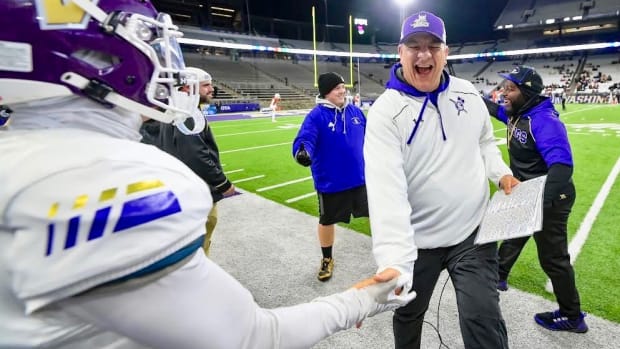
(256, 154)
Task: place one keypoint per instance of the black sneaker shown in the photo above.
(327, 266)
(555, 321)
(502, 285)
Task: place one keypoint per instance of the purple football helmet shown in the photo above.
(120, 53)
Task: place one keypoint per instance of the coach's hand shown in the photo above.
(302, 156)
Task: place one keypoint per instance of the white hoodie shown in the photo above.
(432, 192)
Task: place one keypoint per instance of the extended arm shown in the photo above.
(304, 143)
(496, 110)
(201, 306)
(393, 235)
(496, 169)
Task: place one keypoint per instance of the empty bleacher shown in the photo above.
(555, 9)
(255, 75)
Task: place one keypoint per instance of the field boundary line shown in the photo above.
(301, 197)
(283, 184)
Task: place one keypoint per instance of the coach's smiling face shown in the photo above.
(423, 57)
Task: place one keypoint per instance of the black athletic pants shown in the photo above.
(552, 245)
(473, 271)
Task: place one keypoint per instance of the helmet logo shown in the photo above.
(61, 14)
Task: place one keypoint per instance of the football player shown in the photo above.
(100, 235)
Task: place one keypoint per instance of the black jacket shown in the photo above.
(199, 152)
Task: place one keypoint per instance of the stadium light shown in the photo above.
(402, 4)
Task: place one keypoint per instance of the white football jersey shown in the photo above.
(79, 210)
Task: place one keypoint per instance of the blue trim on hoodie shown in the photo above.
(334, 139)
(396, 83)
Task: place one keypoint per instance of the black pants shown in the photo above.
(473, 271)
(552, 245)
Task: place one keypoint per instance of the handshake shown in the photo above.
(302, 156)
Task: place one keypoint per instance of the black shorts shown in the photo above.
(338, 207)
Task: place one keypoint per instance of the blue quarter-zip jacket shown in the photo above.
(334, 139)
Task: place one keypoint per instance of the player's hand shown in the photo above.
(508, 182)
(302, 156)
(230, 191)
(385, 291)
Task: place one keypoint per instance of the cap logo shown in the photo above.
(420, 22)
(528, 83)
(515, 71)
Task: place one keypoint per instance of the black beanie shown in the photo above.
(327, 82)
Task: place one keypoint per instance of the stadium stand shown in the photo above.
(254, 75)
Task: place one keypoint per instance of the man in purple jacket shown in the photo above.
(538, 145)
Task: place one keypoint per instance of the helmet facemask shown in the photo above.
(123, 54)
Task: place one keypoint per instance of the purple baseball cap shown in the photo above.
(423, 22)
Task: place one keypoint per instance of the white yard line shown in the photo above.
(247, 179)
(252, 132)
(300, 197)
(283, 184)
(253, 148)
(574, 248)
(233, 171)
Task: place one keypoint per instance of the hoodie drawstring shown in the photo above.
(342, 117)
(419, 119)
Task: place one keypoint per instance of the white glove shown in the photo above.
(384, 297)
(346, 309)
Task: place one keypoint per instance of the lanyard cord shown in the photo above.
(511, 129)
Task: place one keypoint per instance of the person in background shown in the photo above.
(564, 100)
(198, 151)
(330, 140)
(100, 235)
(274, 106)
(538, 145)
(430, 154)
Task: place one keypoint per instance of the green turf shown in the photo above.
(595, 153)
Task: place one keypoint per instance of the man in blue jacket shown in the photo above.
(538, 145)
(331, 141)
